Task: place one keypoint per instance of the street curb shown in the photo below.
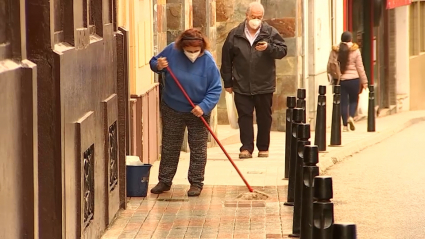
(327, 161)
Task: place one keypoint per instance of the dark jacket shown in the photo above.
(247, 70)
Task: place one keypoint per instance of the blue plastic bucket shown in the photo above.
(138, 180)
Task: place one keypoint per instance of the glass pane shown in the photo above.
(357, 24)
(57, 11)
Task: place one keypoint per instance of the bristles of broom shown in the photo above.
(253, 195)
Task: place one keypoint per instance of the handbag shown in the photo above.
(232, 113)
(363, 106)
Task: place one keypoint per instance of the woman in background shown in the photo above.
(197, 72)
(353, 74)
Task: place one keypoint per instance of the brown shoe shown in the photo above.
(263, 154)
(160, 188)
(245, 154)
(351, 123)
(194, 191)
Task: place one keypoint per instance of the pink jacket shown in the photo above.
(355, 68)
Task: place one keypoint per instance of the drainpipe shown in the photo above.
(309, 62)
(304, 82)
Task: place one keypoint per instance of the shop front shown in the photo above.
(372, 25)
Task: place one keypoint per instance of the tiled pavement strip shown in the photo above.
(217, 213)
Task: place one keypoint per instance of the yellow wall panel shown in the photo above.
(150, 27)
(141, 44)
(148, 40)
(132, 47)
(141, 13)
(137, 17)
(144, 79)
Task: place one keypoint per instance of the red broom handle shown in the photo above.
(209, 129)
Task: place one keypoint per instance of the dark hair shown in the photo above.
(192, 37)
(344, 51)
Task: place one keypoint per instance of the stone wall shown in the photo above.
(201, 14)
(160, 23)
(179, 17)
(210, 32)
(204, 19)
(285, 16)
(229, 13)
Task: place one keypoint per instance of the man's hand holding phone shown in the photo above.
(261, 46)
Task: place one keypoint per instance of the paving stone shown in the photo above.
(273, 235)
(217, 213)
(127, 235)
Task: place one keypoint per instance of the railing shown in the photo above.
(144, 113)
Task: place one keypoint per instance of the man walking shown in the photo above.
(248, 69)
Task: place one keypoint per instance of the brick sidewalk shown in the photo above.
(216, 214)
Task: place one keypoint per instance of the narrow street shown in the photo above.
(375, 189)
(381, 189)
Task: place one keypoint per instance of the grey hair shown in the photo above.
(254, 4)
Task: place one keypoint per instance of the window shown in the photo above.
(417, 27)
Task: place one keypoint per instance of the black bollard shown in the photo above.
(301, 103)
(371, 110)
(320, 131)
(310, 171)
(336, 117)
(298, 115)
(345, 231)
(303, 132)
(290, 103)
(323, 208)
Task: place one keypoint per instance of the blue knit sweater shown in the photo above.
(200, 79)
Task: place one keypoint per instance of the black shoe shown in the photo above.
(160, 188)
(194, 191)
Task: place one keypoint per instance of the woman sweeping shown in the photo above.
(197, 72)
(353, 74)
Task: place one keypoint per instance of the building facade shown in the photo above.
(416, 58)
(62, 75)
(310, 28)
(391, 36)
(324, 22)
(287, 19)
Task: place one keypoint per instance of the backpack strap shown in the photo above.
(340, 74)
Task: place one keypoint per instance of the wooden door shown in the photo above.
(18, 127)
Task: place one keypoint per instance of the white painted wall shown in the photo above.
(303, 47)
(338, 20)
(325, 26)
(137, 17)
(402, 58)
(402, 51)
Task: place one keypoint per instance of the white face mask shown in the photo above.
(254, 23)
(192, 56)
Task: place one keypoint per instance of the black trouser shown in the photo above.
(245, 105)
